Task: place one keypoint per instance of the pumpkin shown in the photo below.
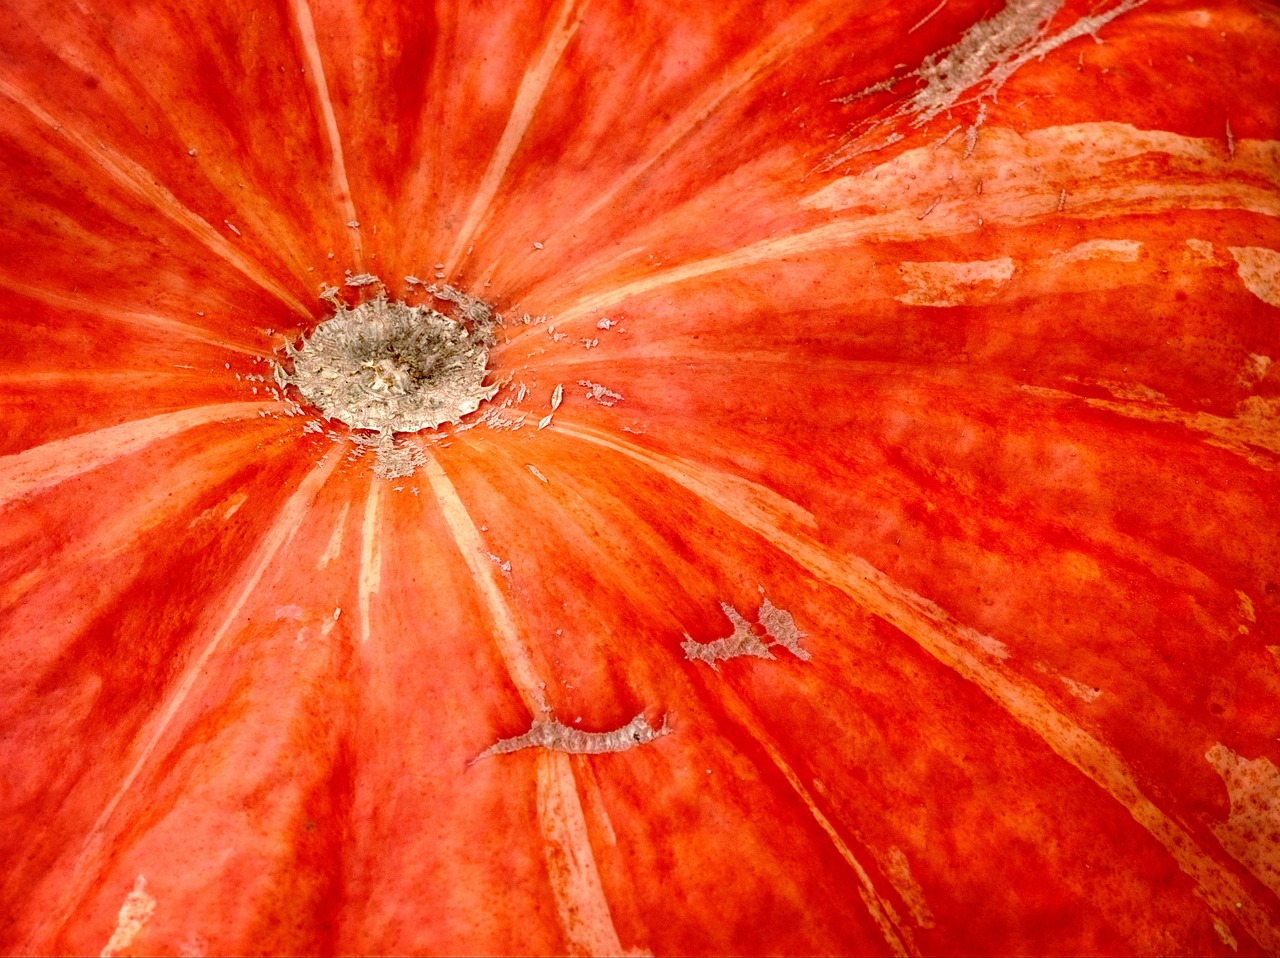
(861, 536)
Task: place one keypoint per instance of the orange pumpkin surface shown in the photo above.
(912, 476)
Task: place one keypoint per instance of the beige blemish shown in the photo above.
(1116, 251)
(1203, 249)
(1259, 270)
(953, 284)
(138, 907)
(1251, 833)
(898, 870)
(1244, 608)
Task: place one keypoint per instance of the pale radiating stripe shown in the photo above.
(515, 654)
(341, 184)
(143, 186)
(370, 554)
(571, 867)
(529, 94)
(793, 33)
(975, 658)
(117, 379)
(575, 881)
(932, 192)
(334, 548)
(92, 852)
(33, 469)
(897, 936)
(161, 324)
(1243, 435)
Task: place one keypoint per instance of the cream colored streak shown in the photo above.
(161, 324)
(143, 186)
(962, 650)
(882, 912)
(1244, 435)
(334, 548)
(515, 654)
(1022, 176)
(526, 102)
(571, 867)
(784, 41)
(575, 881)
(370, 554)
(281, 532)
(31, 470)
(341, 185)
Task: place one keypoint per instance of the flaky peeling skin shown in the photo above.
(990, 409)
(777, 625)
(556, 737)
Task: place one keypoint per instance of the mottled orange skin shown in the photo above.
(179, 701)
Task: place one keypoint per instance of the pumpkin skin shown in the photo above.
(970, 375)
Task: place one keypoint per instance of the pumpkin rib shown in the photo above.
(959, 647)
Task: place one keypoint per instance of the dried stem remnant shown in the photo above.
(391, 367)
(556, 737)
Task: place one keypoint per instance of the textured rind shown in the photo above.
(984, 398)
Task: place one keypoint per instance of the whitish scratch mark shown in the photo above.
(555, 737)
(743, 641)
(964, 650)
(334, 548)
(532, 86)
(1203, 248)
(537, 474)
(1251, 833)
(31, 470)
(927, 17)
(136, 911)
(1245, 606)
(602, 395)
(1224, 934)
(370, 555)
(143, 186)
(1118, 251)
(1086, 693)
(341, 185)
(780, 625)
